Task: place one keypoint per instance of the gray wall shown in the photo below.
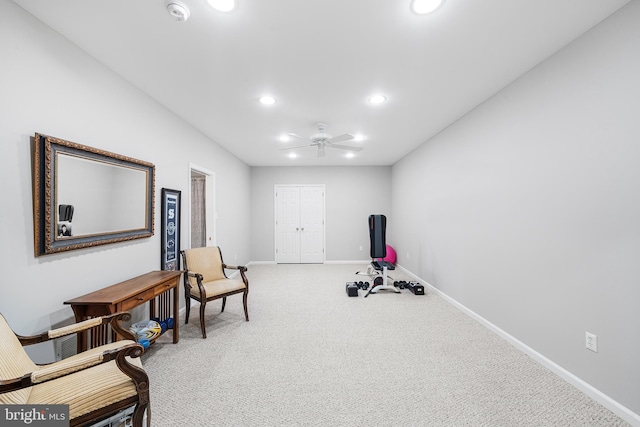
(351, 195)
(48, 85)
(527, 210)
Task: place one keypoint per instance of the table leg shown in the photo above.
(176, 306)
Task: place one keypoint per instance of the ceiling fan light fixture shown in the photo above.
(267, 100)
(424, 7)
(358, 138)
(350, 155)
(292, 155)
(321, 140)
(284, 138)
(222, 5)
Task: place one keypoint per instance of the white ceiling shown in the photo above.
(321, 59)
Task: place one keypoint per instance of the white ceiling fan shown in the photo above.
(321, 139)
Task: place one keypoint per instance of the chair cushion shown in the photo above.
(79, 390)
(219, 287)
(14, 363)
(206, 261)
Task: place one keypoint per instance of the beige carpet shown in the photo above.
(311, 356)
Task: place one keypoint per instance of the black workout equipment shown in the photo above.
(379, 267)
(362, 285)
(400, 284)
(377, 236)
(65, 213)
(352, 289)
(415, 287)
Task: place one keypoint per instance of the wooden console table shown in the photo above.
(153, 287)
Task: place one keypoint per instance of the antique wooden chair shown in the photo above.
(205, 280)
(96, 384)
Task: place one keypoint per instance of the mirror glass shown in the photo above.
(87, 197)
(105, 197)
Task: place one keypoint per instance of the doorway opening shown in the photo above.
(202, 225)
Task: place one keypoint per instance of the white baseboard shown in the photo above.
(358, 261)
(606, 401)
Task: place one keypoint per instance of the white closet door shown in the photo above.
(299, 224)
(287, 225)
(311, 225)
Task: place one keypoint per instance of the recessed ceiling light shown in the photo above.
(292, 155)
(267, 100)
(349, 155)
(358, 138)
(284, 138)
(377, 99)
(423, 7)
(222, 5)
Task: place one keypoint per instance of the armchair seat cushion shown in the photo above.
(79, 390)
(219, 287)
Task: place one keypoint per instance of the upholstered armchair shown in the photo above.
(96, 384)
(205, 280)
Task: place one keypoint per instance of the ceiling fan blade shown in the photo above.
(344, 147)
(341, 138)
(298, 136)
(297, 146)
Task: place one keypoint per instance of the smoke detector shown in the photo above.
(178, 10)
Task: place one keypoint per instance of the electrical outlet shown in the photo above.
(591, 342)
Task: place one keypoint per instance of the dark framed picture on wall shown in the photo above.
(170, 249)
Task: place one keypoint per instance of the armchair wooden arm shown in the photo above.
(235, 267)
(196, 276)
(188, 285)
(112, 320)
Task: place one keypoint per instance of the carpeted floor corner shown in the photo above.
(311, 356)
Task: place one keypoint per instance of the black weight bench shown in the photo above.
(378, 268)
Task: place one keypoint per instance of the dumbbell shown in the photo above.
(170, 322)
(400, 284)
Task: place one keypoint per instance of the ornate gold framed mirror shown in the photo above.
(85, 197)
